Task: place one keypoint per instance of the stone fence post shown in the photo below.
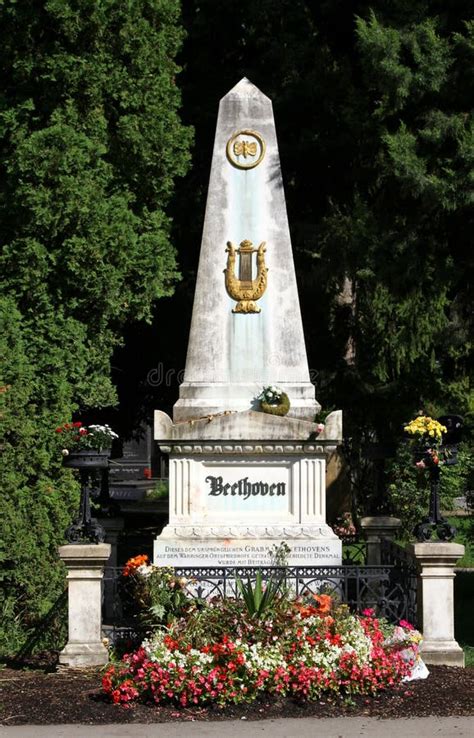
(375, 529)
(436, 561)
(85, 569)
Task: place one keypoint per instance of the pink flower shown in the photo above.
(320, 427)
(406, 624)
(420, 464)
(369, 612)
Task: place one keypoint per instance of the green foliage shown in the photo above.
(217, 618)
(259, 599)
(38, 496)
(90, 146)
(155, 595)
(160, 490)
(408, 487)
(465, 535)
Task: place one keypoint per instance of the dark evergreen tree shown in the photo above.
(90, 146)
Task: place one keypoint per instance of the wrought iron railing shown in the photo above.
(405, 571)
(387, 589)
(354, 550)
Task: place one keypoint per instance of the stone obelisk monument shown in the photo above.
(242, 480)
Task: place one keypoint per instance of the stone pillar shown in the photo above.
(436, 561)
(85, 569)
(113, 527)
(375, 529)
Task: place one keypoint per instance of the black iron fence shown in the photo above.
(389, 589)
(354, 550)
(405, 571)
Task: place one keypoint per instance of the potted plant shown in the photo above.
(427, 438)
(86, 446)
(274, 401)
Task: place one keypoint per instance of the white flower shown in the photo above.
(145, 570)
(65, 452)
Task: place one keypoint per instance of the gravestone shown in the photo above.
(241, 480)
(129, 475)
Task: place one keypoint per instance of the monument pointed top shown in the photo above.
(245, 88)
(242, 337)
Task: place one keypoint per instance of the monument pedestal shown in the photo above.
(436, 561)
(85, 569)
(233, 500)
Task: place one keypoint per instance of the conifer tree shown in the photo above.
(90, 146)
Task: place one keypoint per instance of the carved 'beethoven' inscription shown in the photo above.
(244, 488)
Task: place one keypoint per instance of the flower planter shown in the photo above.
(85, 528)
(87, 458)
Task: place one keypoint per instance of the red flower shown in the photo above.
(77, 424)
(59, 429)
(334, 640)
(147, 473)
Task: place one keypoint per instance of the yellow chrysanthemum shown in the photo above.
(425, 426)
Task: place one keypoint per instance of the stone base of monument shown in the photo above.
(233, 500)
(240, 551)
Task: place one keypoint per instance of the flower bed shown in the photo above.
(218, 653)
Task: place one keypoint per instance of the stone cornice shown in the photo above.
(252, 448)
(226, 532)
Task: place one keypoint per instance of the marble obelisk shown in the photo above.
(232, 355)
(242, 480)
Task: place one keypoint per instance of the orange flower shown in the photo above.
(306, 610)
(132, 564)
(323, 603)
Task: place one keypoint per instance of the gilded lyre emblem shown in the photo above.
(245, 289)
(245, 148)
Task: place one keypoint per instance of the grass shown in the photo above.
(469, 656)
(465, 535)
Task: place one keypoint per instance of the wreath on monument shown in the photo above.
(274, 401)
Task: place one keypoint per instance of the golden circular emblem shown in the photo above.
(245, 149)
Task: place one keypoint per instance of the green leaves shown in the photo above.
(91, 144)
(259, 599)
(402, 63)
